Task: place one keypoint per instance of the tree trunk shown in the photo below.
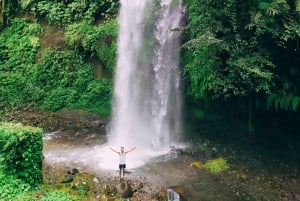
(250, 117)
(2, 12)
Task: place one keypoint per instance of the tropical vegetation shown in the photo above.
(240, 69)
(241, 66)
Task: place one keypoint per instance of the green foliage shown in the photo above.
(233, 49)
(107, 54)
(59, 79)
(100, 40)
(297, 4)
(276, 19)
(18, 47)
(107, 47)
(67, 12)
(66, 81)
(57, 68)
(81, 35)
(11, 86)
(57, 196)
(295, 103)
(95, 98)
(25, 4)
(119, 199)
(21, 152)
(216, 166)
(54, 12)
(7, 10)
(222, 59)
(254, 74)
(288, 101)
(11, 187)
(58, 98)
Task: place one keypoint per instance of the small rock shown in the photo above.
(214, 151)
(124, 189)
(178, 189)
(96, 180)
(66, 178)
(243, 176)
(141, 185)
(73, 171)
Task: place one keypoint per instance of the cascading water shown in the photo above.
(146, 107)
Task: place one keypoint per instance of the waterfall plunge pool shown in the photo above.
(91, 150)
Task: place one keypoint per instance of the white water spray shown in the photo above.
(147, 107)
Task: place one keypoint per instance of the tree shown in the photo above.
(7, 8)
(225, 57)
(2, 11)
(242, 48)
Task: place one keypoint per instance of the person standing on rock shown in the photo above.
(122, 164)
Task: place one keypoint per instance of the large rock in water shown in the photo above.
(174, 193)
(124, 189)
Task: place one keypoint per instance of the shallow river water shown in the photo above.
(85, 150)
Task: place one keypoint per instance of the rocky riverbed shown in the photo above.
(250, 177)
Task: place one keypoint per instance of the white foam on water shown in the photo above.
(101, 156)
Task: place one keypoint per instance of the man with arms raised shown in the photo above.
(122, 164)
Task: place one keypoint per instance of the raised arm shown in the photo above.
(131, 149)
(114, 150)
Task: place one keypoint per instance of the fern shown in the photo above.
(264, 5)
(232, 14)
(271, 8)
(295, 103)
(270, 100)
(285, 101)
(288, 101)
(25, 3)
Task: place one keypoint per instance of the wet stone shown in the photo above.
(66, 178)
(124, 189)
(73, 171)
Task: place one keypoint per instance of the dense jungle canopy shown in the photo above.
(240, 64)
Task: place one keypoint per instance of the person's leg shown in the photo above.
(123, 170)
(122, 173)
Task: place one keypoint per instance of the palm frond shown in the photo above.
(295, 103)
(297, 2)
(287, 101)
(271, 8)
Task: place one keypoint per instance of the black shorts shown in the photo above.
(122, 166)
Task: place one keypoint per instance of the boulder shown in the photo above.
(66, 178)
(175, 193)
(124, 189)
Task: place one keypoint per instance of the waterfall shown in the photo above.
(146, 103)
